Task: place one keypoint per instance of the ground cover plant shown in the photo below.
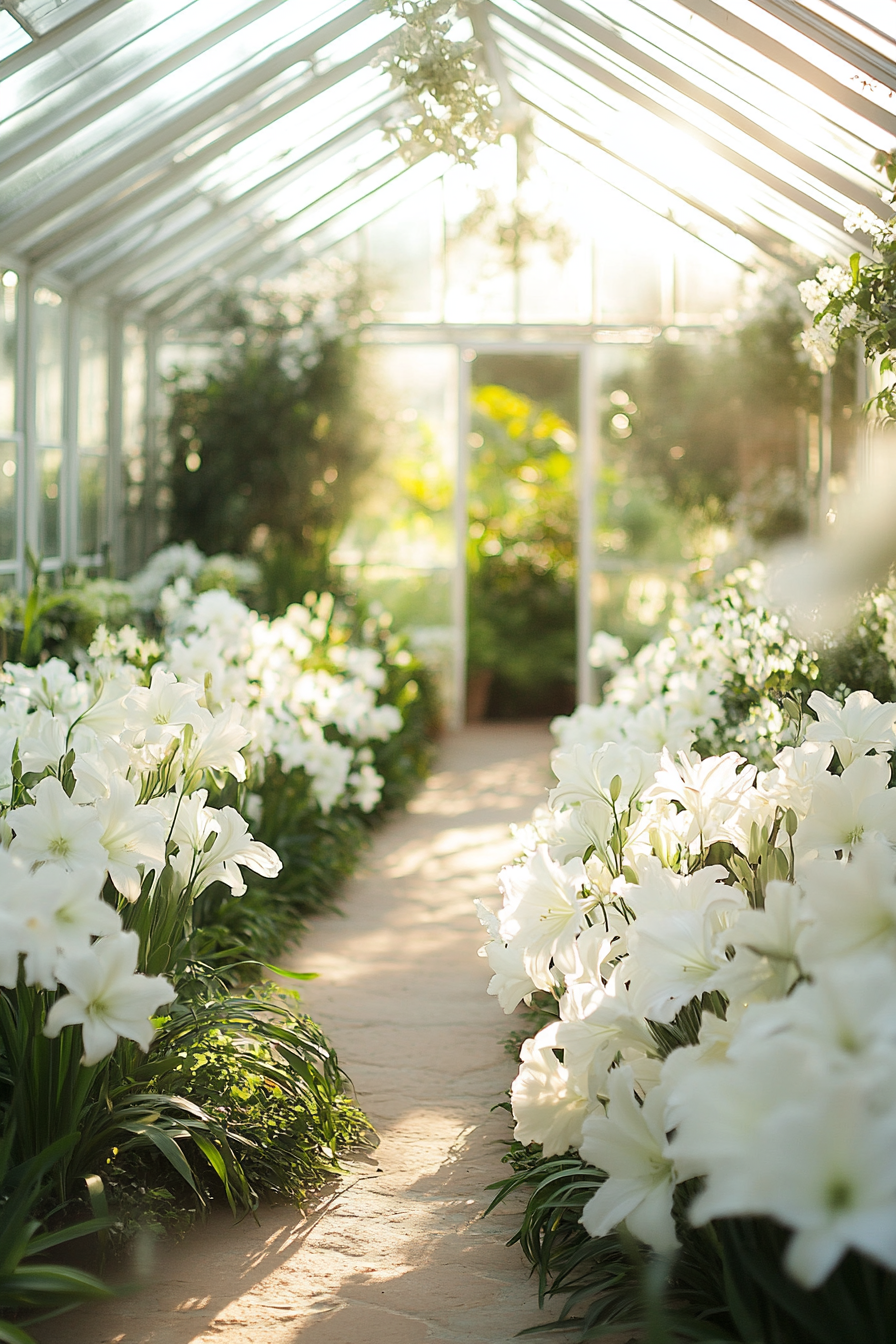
(702, 922)
(143, 1072)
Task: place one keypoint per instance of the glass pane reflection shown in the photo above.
(49, 472)
(48, 315)
(8, 464)
(93, 379)
(91, 502)
(9, 285)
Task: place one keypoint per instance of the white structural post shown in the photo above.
(863, 437)
(586, 475)
(113, 522)
(459, 576)
(825, 448)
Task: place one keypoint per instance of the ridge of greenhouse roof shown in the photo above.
(153, 156)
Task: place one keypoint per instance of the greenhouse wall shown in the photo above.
(77, 466)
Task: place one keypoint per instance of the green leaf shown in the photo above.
(47, 1240)
(11, 1334)
(169, 1149)
(291, 975)
(855, 262)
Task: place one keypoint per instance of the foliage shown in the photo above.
(521, 549)
(862, 655)
(28, 1283)
(270, 442)
(859, 302)
(57, 619)
(272, 1082)
(116, 1102)
(690, 404)
(449, 98)
(725, 1283)
(605, 1282)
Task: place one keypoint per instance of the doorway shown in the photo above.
(522, 533)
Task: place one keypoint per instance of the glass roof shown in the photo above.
(151, 151)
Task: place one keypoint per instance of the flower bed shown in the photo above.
(142, 1073)
(708, 948)
(342, 714)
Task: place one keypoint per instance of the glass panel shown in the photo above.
(403, 255)
(11, 35)
(9, 283)
(44, 15)
(398, 550)
(49, 474)
(8, 462)
(48, 315)
(133, 446)
(92, 477)
(93, 379)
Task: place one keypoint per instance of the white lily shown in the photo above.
(629, 1144)
(861, 724)
(543, 908)
(56, 830)
(548, 1107)
(133, 837)
(848, 808)
(107, 998)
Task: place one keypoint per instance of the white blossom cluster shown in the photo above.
(673, 692)
(721, 945)
(835, 295)
(100, 789)
(296, 677)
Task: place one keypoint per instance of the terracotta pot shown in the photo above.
(478, 686)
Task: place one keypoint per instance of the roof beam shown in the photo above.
(763, 241)
(186, 300)
(260, 234)
(168, 174)
(611, 40)
(63, 32)
(218, 215)
(728, 22)
(162, 136)
(53, 130)
(833, 39)
(632, 94)
(666, 218)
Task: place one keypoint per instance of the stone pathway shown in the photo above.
(398, 1254)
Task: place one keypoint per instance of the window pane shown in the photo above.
(43, 15)
(48, 400)
(8, 463)
(49, 473)
(93, 379)
(12, 36)
(91, 502)
(133, 392)
(9, 286)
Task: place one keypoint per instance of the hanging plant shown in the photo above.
(450, 100)
(861, 301)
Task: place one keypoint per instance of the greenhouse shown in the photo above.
(447, 454)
